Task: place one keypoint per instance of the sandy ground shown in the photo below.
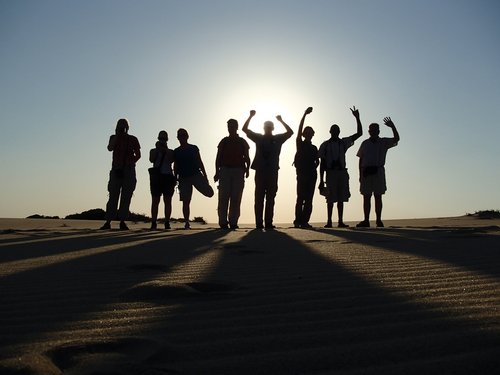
(419, 296)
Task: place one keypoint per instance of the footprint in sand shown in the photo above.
(129, 355)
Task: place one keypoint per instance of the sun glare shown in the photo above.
(267, 110)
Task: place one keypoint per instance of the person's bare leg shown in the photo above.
(367, 206)
(186, 212)
(340, 210)
(378, 210)
(155, 201)
(366, 210)
(168, 210)
(329, 213)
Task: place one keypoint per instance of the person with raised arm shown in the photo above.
(266, 166)
(306, 162)
(372, 154)
(332, 153)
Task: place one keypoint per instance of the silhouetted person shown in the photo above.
(266, 165)
(161, 178)
(372, 153)
(231, 167)
(332, 153)
(306, 162)
(122, 180)
(190, 171)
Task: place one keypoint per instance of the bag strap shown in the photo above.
(161, 160)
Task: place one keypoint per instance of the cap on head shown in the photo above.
(122, 125)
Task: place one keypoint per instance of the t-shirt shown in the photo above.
(186, 160)
(232, 152)
(373, 151)
(333, 152)
(125, 150)
(306, 157)
(268, 149)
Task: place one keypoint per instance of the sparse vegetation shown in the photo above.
(100, 214)
(93, 214)
(486, 214)
(38, 216)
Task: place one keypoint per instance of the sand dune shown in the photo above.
(419, 296)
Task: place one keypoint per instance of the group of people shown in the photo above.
(184, 167)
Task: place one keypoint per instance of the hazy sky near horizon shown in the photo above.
(70, 69)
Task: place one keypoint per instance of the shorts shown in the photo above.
(162, 184)
(337, 186)
(199, 182)
(374, 183)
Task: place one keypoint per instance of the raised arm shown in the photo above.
(245, 129)
(301, 125)
(359, 128)
(289, 131)
(389, 123)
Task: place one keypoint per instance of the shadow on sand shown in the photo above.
(255, 302)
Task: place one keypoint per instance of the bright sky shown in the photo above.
(70, 69)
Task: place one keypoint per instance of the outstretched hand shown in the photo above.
(252, 113)
(388, 122)
(279, 118)
(354, 111)
(308, 110)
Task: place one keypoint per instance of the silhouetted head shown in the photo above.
(334, 131)
(232, 126)
(268, 127)
(374, 130)
(182, 136)
(163, 136)
(122, 126)
(308, 133)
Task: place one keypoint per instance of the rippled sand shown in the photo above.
(419, 296)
